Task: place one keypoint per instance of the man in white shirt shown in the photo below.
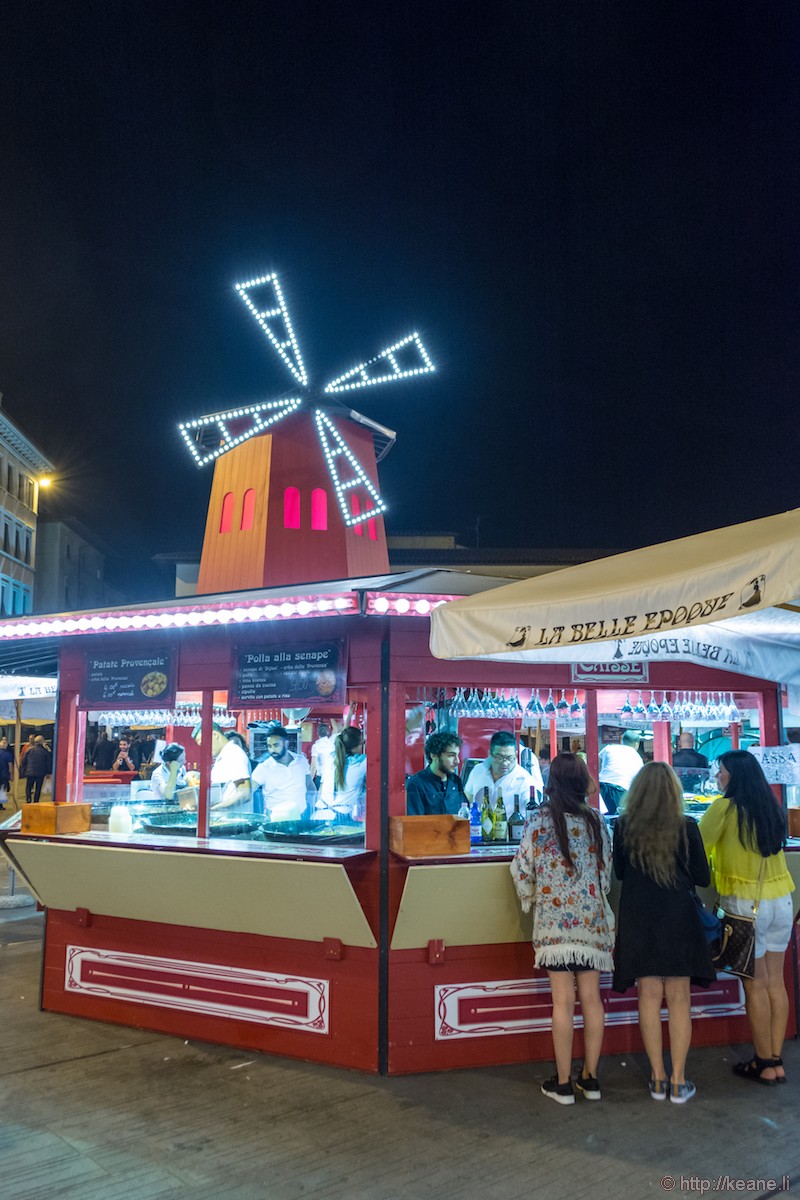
(285, 778)
(619, 764)
(230, 771)
(502, 772)
(323, 753)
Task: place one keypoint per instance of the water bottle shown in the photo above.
(475, 830)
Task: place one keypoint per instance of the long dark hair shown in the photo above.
(567, 787)
(761, 822)
(348, 742)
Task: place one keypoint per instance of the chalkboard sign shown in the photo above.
(311, 674)
(130, 679)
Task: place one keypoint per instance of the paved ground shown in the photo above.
(95, 1112)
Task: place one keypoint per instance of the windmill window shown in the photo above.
(248, 509)
(319, 509)
(291, 508)
(226, 520)
(355, 508)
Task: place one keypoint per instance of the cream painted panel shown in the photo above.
(307, 901)
(463, 905)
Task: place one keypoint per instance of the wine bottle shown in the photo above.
(475, 830)
(531, 805)
(499, 819)
(487, 824)
(516, 824)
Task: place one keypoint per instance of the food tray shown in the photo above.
(316, 833)
(185, 823)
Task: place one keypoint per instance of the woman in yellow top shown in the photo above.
(743, 830)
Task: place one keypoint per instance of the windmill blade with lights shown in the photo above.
(267, 480)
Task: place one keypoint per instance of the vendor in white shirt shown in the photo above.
(170, 774)
(230, 772)
(501, 772)
(323, 755)
(285, 778)
(619, 765)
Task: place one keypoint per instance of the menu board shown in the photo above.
(311, 674)
(132, 679)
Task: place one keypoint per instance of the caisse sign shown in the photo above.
(618, 671)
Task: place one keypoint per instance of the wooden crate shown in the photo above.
(56, 818)
(423, 837)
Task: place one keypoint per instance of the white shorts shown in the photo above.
(773, 923)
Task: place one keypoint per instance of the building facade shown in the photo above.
(22, 467)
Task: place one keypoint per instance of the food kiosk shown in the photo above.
(329, 949)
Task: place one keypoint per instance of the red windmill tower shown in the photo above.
(301, 504)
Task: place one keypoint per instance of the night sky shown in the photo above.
(589, 210)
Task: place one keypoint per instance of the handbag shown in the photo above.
(712, 926)
(736, 955)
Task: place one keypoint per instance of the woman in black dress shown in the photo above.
(659, 858)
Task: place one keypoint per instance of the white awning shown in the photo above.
(710, 598)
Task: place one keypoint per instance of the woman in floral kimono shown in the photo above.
(563, 870)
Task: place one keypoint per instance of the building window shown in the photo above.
(28, 548)
(7, 538)
(291, 508)
(17, 547)
(226, 520)
(319, 509)
(355, 509)
(67, 550)
(248, 509)
(9, 479)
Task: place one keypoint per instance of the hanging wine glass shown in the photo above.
(562, 708)
(626, 712)
(665, 712)
(575, 709)
(516, 706)
(734, 714)
(640, 712)
(550, 707)
(697, 710)
(653, 709)
(540, 713)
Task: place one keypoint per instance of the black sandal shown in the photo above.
(753, 1070)
(778, 1062)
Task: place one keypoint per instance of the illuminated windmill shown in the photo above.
(300, 504)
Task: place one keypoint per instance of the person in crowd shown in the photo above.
(661, 944)
(437, 788)
(285, 778)
(350, 774)
(684, 758)
(501, 772)
(142, 749)
(124, 759)
(105, 751)
(37, 766)
(6, 770)
(23, 770)
(563, 869)
(323, 753)
(170, 775)
(230, 771)
(544, 765)
(619, 764)
(744, 832)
